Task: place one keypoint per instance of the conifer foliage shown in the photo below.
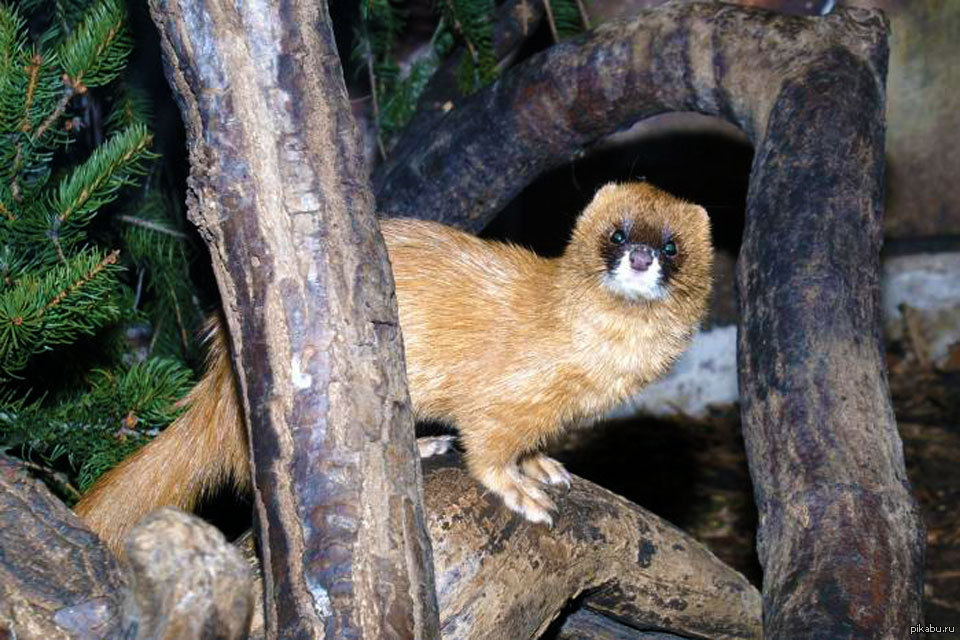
(79, 273)
(395, 87)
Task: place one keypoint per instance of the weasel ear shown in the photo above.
(702, 216)
(605, 190)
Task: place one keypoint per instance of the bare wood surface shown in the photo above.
(499, 576)
(839, 531)
(279, 193)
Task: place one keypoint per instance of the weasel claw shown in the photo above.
(521, 494)
(545, 470)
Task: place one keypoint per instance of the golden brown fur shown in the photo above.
(506, 346)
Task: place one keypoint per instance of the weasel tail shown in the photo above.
(202, 449)
(506, 346)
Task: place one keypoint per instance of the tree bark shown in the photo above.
(186, 581)
(183, 580)
(57, 581)
(278, 191)
(840, 536)
(584, 624)
(499, 576)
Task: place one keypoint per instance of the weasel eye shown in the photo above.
(670, 249)
(618, 237)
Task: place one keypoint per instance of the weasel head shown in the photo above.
(644, 245)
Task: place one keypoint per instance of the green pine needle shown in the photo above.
(65, 298)
(96, 51)
(131, 106)
(96, 182)
(57, 307)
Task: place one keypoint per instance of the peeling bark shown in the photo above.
(278, 191)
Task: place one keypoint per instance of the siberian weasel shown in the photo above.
(508, 347)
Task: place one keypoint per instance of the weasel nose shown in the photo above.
(641, 258)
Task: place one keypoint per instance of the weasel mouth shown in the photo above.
(637, 275)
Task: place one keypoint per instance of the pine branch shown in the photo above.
(96, 182)
(131, 106)
(84, 280)
(95, 53)
(584, 15)
(551, 21)
(152, 226)
(13, 38)
(53, 292)
(54, 116)
(39, 312)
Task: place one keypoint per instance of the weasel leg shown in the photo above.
(494, 449)
(435, 445)
(545, 470)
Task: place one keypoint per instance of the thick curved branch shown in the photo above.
(708, 57)
(499, 576)
(279, 192)
(827, 463)
(59, 582)
(840, 536)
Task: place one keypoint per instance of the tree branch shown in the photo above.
(836, 514)
(499, 576)
(279, 193)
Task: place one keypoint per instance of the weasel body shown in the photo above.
(508, 347)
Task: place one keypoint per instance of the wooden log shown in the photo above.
(709, 57)
(57, 582)
(840, 536)
(278, 190)
(186, 581)
(499, 576)
(584, 624)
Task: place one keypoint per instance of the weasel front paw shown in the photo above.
(434, 445)
(520, 494)
(545, 470)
